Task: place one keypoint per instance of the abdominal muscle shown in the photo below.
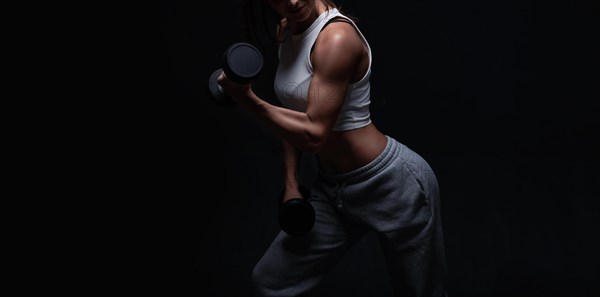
(348, 150)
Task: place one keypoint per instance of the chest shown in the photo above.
(293, 75)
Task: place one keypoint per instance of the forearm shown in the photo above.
(291, 159)
(292, 126)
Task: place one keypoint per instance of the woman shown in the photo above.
(366, 179)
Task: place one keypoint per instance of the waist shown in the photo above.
(349, 150)
(391, 151)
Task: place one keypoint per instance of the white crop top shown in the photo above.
(294, 73)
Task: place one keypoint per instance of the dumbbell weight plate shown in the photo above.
(297, 216)
(242, 62)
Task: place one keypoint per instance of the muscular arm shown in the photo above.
(291, 158)
(334, 59)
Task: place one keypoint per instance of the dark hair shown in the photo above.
(260, 21)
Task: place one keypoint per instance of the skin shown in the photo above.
(339, 58)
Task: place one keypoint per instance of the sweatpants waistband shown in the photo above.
(392, 150)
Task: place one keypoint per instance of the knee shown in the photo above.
(268, 283)
(260, 282)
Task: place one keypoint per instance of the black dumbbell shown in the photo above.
(296, 215)
(242, 62)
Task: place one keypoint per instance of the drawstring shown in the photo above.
(337, 194)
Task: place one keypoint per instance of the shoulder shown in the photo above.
(339, 43)
(340, 32)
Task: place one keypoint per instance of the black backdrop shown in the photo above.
(499, 96)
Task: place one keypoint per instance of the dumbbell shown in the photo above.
(242, 62)
(296, 215)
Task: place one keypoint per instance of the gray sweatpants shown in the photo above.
(396, 195)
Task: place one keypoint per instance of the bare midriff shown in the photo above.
(345, 151)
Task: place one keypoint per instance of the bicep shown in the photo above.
(334, 60)
(325, 100)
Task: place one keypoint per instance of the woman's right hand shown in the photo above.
(236, 91)
(291, 192)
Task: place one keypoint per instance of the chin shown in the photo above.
(301, 17)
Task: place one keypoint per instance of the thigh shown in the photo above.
(401, 203)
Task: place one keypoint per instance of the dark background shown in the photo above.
(499, 96)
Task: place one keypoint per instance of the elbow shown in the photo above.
(313, 147)
(315, 140)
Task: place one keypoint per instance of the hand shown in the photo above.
(290, 193)
(236, 91)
